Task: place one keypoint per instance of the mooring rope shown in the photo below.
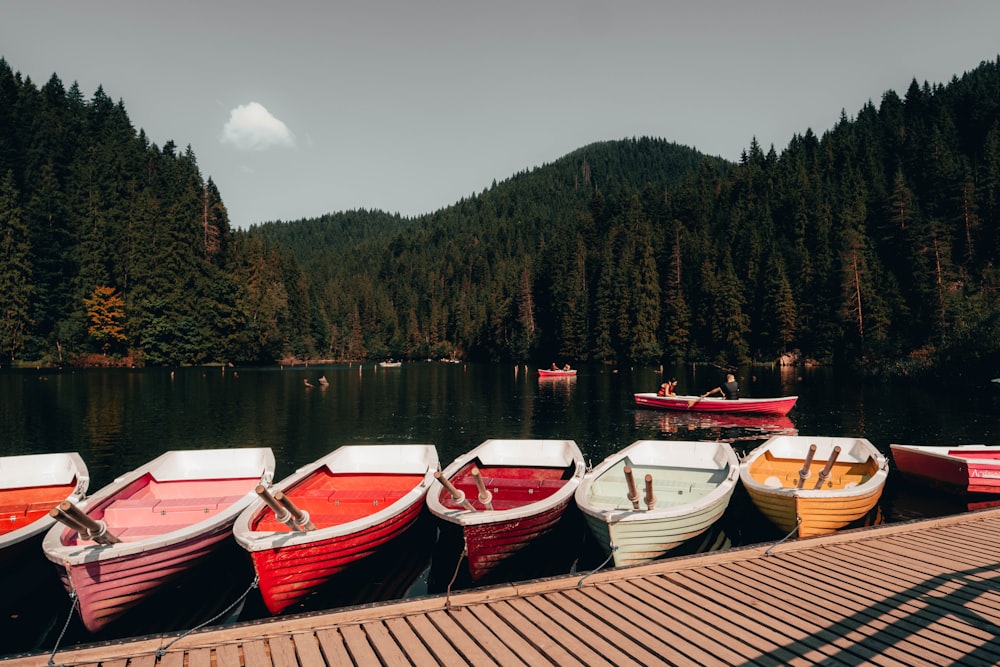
(253, 584)
(614, 548)
(454, 575)
(72, 608)
(798, 520)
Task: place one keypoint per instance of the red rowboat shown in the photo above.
(150, 525)
(523, 489)
(560, 373)
(353, 500)
(765, 406)
(962, 468)
(30, 486)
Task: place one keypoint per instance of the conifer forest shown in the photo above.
(875, 245)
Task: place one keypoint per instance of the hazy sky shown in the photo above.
(297, 109)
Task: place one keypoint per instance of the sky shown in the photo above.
(303, 108)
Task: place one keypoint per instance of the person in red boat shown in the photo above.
(668, 388)
(730, 389)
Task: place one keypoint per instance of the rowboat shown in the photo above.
(390, 364)
(960, 468)
(655, 495)
(768, 406)
(150, 525)
(559, 373)
(504, 494)
(817, 484)
(330, 514)
(30, 486)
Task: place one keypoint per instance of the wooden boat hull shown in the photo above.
(692, 481)
(771, 475)
(958, 469)
(30, 486)
(169, 514)
(767, 406)
(549, 373)
(531, 482)
(359, 497)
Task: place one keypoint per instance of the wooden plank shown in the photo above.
(199, 657)
(357, 645)
(147, 660)
(307, 649)
(331, 643)
(282, 651)
(409, 643)
(486, 637)
(549, 650)
(434, 639)
(558, 633)
(591, 631)
(385, 645)
(470, 651)
(510, 636)
(228, 655)
(172, 659)
(255, 654)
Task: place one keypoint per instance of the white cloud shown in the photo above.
(252, 127)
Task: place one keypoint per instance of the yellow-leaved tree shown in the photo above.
(106, 310)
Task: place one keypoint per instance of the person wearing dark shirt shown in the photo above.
(729, 389)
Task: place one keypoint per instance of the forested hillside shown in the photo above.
(877, 243)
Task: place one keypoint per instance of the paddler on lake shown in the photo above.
(730, 389)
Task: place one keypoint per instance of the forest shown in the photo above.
(875, 245)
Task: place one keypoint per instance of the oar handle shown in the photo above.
(649, 499)
(804, 472)
(92, 529)
(299, 516)
(457, 495)
(280, 513)
(824, 474)
(485, 497)
(633, 493)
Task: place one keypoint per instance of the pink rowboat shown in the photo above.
(526, 486)
(353, 501)
(150, 525)
(959, 469)
(762, 406)
(30, 486)
(560, 373)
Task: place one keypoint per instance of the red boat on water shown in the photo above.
(556, 373)
(505, 493)
(148, 526)
(959, 468)
(781, 405)
(332, 513)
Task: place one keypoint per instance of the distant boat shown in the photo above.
(558, 373)
(354, 500)
(390, 364)
(148, 526)
(769, 406)
(691, 484)
(814, 484)
(956, 468)
(30, 486)
(504, 494)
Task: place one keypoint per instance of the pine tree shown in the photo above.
(16, 285)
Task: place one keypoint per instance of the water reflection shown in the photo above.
(720, 427)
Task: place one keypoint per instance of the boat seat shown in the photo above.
(772, 482)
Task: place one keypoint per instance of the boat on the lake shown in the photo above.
(655, 495)
(150, 525)
(556, 372)
(504, 494)
(816, 484)
(390, 364)
(955, 468)
(780, 405)
(330, 514)
(30, 486)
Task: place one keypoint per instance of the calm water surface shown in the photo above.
(119, 419)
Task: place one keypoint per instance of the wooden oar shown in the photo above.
(457, 495)
(300, 517)
(485, 497)
(650, 499)
(633, 493)
(280, 513)
(694, 402)
(824, 474)
(77, 519)
(804, 472)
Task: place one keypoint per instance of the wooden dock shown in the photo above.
(917, 593)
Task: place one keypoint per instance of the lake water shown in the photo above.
(119, 419)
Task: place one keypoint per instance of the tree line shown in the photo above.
(874, 244)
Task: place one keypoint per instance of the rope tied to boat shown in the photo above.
(160, 652)
(72, 608)
(614, 548)
(454, 576)
(798, 520)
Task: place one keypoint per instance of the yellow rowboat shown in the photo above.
(817, 484)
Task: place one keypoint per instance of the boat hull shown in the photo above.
(531, 483)
(168, 515)
(958, 469)
(771, 476)
(359, 497)
(693, 483)
(766, 406)
(549, 373)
